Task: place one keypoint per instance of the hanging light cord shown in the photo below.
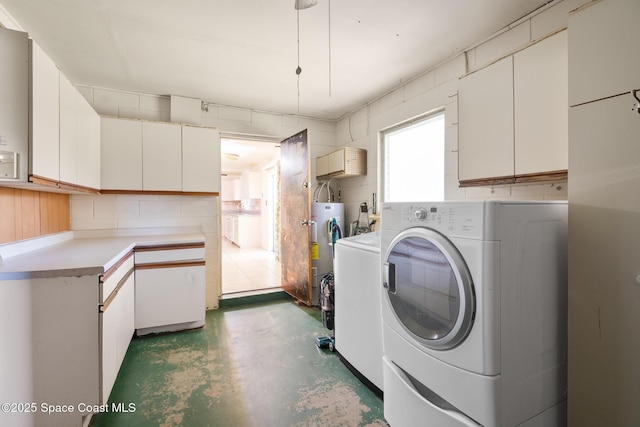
(298, 69)
(329, 48)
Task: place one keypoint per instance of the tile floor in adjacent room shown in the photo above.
(253, 365)
(248, 269)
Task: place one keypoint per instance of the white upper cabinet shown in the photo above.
(68, 132)
(541, 106)
(345, 162)
(44, 115)
(486, 122)
(513, 117)
(161, 156)
(603, 34)
(79, 139)
(57, 137)
(121, 154)
(200, 159)
(88, 151)
(156, 156)
(251, 185)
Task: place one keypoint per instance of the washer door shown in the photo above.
(429, 288)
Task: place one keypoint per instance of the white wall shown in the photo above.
(434, 89)
(121, 212)
(437, 89)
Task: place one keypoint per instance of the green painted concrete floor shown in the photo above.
(254, 365)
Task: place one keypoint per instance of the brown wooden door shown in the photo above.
(295, 234)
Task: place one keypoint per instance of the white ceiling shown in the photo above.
(245, 53)
(251, 155)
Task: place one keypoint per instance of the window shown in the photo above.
(413, 160)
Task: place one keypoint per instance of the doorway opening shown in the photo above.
(250, 202)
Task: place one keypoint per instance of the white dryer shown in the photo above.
(474, 309)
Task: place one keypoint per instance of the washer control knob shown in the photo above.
(420, 214)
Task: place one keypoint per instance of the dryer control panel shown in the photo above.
(452, 219)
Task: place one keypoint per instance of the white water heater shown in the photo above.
(325, 217)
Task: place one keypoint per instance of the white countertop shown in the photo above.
(82, 256)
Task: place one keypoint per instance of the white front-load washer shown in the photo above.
(474, 308)
(358, 325)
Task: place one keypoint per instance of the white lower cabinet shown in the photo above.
(247, 231)
(116, 321)
(170, 288)
(117, 328)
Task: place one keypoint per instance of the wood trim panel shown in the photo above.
(170, 264)
(75, 187)
(487, 182)
(532, 178)
(160, 193)
(169, 247)
(110, 271)
(40, 180)
(26, 214)
(560, 175)
(103, 307)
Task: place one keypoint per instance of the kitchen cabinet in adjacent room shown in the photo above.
(251, 185)
(247, 231)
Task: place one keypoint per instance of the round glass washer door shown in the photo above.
(429, 288)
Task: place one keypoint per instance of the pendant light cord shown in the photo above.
(298, 69)
(329, 48)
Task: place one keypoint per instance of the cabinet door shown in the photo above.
(120, 154)
(45, 115)
(604, 243)
(168, 296)
(68, 131)
(541, 106)
(485, 105)
(245, 184)
(161, 157)
(117, 328)
(605, 154)
(200, 159)
(603, 58)
(88, 150)
(322, 165)
(14, 98)
(255, 185)
(226, 190)
(336, 161)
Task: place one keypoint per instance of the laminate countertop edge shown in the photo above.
(85, 256)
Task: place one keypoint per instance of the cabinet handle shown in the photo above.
(103, 307)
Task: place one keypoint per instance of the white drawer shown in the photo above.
(110, 279)
(169, 253)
